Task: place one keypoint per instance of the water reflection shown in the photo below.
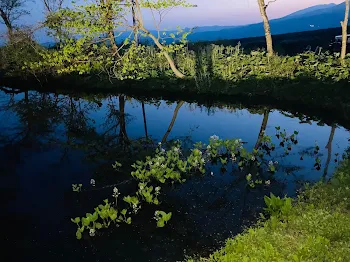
(50, 141)
(329, 151)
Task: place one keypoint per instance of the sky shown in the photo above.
(208, 12)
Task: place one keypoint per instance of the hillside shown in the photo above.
(318, 17)
(284, 44)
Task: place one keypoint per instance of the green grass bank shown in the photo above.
(316, 228)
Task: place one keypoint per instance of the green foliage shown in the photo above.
(278, 207)
(314, 229)
(104, 215)
(77, 187)
(175, 166)
(96, 37)
(23, 49)
(168, 165)
(163, 4)
(162, 218)
(229, 63)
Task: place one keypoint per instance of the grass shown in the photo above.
(317, 229)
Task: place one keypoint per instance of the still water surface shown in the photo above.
(49, 142)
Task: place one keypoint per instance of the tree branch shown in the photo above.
(269, 2)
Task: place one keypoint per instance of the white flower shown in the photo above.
(276, 162)
(156, 215)
(212, 173)
(233, 157)
(163, 150)
(92, 232)
(267, 182)
(157, 188)
(92, 182)
(253, 158)
(214, 137)
(270, 163)
(160, 143)
(115, 192)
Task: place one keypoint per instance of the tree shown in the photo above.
(133, 12)
(10, 12)
(52, 6)
(159, 5)
(96, 36)
(267, 28)
(344, 25)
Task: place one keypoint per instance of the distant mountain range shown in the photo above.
(312, 18)
(309, 19)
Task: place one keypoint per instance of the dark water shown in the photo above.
(49, 142)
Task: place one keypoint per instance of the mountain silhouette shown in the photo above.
(312, 18)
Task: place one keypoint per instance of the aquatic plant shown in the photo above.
(104, 215)
(77, 187)
(176, 165)
(162, 218)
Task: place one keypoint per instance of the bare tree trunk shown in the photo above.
(133, 7)
(139, 19)
(267, 28)
(176, 111)
(344, 25)
(262, 128)
(329, 148)
(7, 23)
(165, 53)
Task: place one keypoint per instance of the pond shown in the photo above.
(48, 142)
